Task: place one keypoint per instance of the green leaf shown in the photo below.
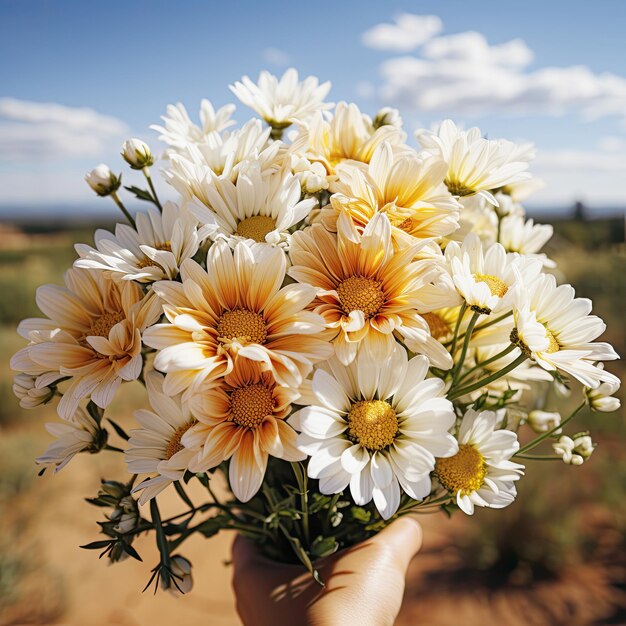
(324, 546)
(97, 545)
(118, 429)
(141, 194)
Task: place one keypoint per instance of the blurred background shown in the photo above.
(76, 79)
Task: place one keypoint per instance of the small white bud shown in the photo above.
(574, 451)
(24, 387)
(182, 580)
(601, 399)
(543, 421)
(137, 154)
(102, 180)
(387, 117)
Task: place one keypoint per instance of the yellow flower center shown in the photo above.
(243, 325)
(373, 424)
(437, 325)
(496, 286)
(457, 188)
(464, 472)
(174, 445)
(554, 345)
(251, 404)
(101, 327)
(256, 227)
(358, 293)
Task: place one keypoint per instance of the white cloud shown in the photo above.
(407, 33)
(38, 131)
(464, 75)
(276, 57)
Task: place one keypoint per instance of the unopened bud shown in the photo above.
(103, 181)
(137, 154)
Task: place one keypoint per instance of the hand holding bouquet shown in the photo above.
(347, 328)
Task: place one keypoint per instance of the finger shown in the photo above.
(403, 537)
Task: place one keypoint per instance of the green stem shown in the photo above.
(113, 448)
(490, 360)
(162, 543)
(180, 490)
(485, 325)
(123, 209)
(301, 479)
(535, 442)
(538, 457)
(146, 173)
(457, 393)
(466, 342)
(459, 319)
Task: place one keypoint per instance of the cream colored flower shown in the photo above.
(241, 417)
(137, 154)
(179, 131)
(156, 447)
(367, 292)
(79, 434)
(92, 336)
(475, 164)
(257, 207)
(544, 421)
(525, 237)
(152, 251)
(281, 102)
(236, 309)
(376, 426)
(348, 136)
(405, 186)
(481, 474)
(102, 180)
(576, 450)
(556, 330)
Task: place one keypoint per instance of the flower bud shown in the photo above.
(576, 450)
(24, 387)
(543, 421)
(387, 117)
(182, 581)
(601, 399)
(137, 154)
(103, 181)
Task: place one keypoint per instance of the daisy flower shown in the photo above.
(156, 447)
(484, 277)
(179, 131)
(348, 136)
(256, 207)
(409, 189)
(235, 309)
(476, 165)
(376, 426)
(152, 251)
(366, 292)
(92, 335)
(281, 102)
(80, 433)
(222, 155)
(556, 330)
(525, 237)
(481, 472)
(241, 417)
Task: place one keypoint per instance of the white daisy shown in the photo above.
(281, 102)
(484, 277)
(152, 251)
(156, 448)
(480, 473)
(555, 328)
(476, 165)
(257, 207)
(222, 155)
(179, 131)
(376, 426)
(81, 433)
(525, 237)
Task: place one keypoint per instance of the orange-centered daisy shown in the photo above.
(236, 309)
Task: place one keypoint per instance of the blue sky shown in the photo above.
(125, 61)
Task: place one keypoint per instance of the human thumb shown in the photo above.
(403, 537)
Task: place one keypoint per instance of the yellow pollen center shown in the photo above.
(251, 404)
(496, 286)
(256, 227)
(174, 445)
(437, 325)
(358, 293)
(243, 325)
(457, 188)
(101, 327)
(373, 424)
(554, 345)
(464, 472)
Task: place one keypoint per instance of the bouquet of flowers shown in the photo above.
(346, 327)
